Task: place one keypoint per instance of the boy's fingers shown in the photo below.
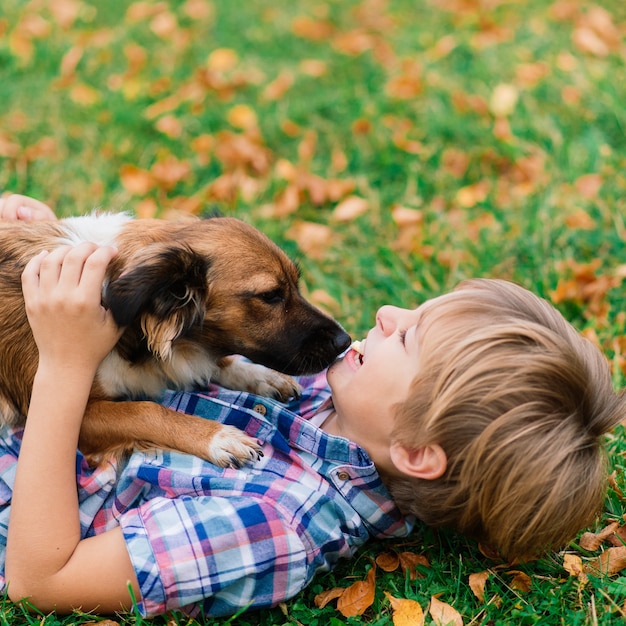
(95, 267)
(19, 207)
(30, 275)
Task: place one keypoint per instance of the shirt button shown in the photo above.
(343, 476)
(260, 408)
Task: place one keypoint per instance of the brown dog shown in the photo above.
(190, 295)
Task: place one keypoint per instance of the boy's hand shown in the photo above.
(17, 207)
(62, 292)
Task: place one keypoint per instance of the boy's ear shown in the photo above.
(427, 462)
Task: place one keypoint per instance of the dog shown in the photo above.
(190, 295)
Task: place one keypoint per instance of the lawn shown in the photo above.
(393, 148)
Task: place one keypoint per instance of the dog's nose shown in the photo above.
(341, 341)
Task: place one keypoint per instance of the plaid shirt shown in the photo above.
(204, 538)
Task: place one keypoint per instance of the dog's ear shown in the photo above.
(164, 289)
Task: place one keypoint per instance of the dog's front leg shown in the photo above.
(237, 373)
(119, 427)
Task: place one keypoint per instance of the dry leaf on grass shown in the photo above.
(610, 562)
(520, 581)
(477, 582)
(409, 562)
(388, 561)
(357, 598)
(592, 541)
(350, 208)
(573, 565)
(323, 598)
(443, 614)
(353, 600)
(405, 612)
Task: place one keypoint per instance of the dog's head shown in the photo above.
(222, 286)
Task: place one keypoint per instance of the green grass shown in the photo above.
(67, 133)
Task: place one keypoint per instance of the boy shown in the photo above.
(481, 409)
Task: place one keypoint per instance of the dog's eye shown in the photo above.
(275, 296)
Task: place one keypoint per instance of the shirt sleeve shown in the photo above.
(213, 554)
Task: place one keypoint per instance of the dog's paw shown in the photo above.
(231, 447)
(278, 386)
(255, 378)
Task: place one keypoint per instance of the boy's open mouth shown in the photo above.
(359, 348)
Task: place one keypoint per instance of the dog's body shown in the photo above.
(190, 295)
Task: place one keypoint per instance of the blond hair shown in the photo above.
(519, 402)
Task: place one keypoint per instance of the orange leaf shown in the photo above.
(443, 614)
(573, 565)
(136, 180)
(405, 612)
(477, 582)
(350, 208)
(580, 219)
(409, 562)
(611, 561)
(84, 94)
(520, 581)
(357, 598)
(222, 59)
(323, 598)
(503, 100)
(589, 185)
(403, 216)
(592, 541)
(170, 125)
(313, 239)
(388, 561)
(471, 195)
(242, 116)
(309, 28)
(313, 67)
(278, 87)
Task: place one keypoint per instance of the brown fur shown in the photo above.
(190, 295)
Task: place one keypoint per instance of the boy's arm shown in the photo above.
(46, 558)
(18, 207)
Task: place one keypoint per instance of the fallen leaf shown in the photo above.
(323, 598)
(592, 541)
(503, 100)
(222, 60)
(170, 171)
(581, 220)
(573, 565)
(313, 67)
(350, 208)
(169, 125)
(477, 582)
(588, 185)
(471, 195)
(309, 28)
(312, 238)
(388, 561)
(278, 87)
(520, 581)
(358, 597)
(404, 216)
(405, 612)
(136, 180)
(443, 614)
(84, 94)
(610, 562)
(242, 116)
(409, 562)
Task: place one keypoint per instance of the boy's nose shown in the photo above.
(387, 318)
